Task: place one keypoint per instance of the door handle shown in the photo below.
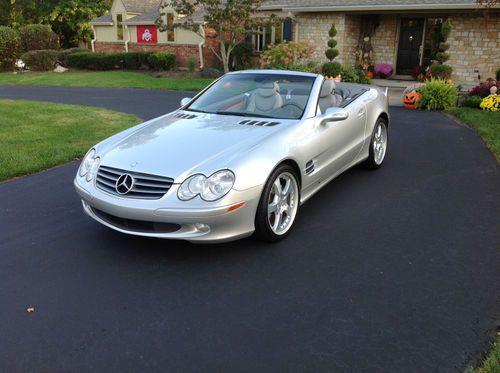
(361, 113)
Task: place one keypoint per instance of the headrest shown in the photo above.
(327, 88)
(267, 88)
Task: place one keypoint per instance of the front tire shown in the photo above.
(378, 145)
(278, 206)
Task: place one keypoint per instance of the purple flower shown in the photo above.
(383, 69)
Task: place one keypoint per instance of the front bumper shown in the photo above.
(176, 219)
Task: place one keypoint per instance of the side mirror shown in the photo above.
(185, 101)
(334, 114)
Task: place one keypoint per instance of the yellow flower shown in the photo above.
(491, 103)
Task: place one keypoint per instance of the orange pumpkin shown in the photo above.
(369, 74)
(411, 99)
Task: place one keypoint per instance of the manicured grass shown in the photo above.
(108, 79)
(37, 135)
(492, 362)
(486, 123)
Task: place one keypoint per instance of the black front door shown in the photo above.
(410, 40)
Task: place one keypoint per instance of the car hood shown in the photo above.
(176, 147)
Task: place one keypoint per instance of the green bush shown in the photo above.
(284, 55)
(161, 61)
(441, 71)
(38, 37)
(42, 60)
(498, 74)
(472, 101)
(96, 61)
(137, 60)
(9, 48)
(437, 95)
(243, 53)
(331, 69)
(353, 76)
(62, 57)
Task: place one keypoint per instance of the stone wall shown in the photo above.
(385, 40)
(474, 45)
(314, 27)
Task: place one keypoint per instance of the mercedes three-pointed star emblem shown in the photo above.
(124, 184)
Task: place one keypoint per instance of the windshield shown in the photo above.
(278, 96)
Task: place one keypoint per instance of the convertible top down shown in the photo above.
(238, 158)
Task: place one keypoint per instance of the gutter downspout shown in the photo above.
(128, 38)
(200, 47)
(94, 39)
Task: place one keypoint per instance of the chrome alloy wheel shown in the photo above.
(283, 203)
(380, 143)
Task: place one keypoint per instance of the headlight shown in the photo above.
(209, 188)
(89, 165)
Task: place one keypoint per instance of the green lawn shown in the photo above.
(37, 135)
(492, 362)
(109, 79)
(486, 123)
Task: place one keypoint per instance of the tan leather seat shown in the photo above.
(265, 99)
(327, 95)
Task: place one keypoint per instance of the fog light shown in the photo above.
(202, 227)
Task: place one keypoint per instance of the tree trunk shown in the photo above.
(225, 56)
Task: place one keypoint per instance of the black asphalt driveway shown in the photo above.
(396, 270)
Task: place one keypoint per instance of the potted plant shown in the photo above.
(369, 71)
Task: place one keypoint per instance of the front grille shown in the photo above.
(144, 186)
(136, 225)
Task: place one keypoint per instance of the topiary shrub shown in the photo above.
(161, 61)
(283, 56)
(442, 56)
(332, 69)
(96, 61)
(38, 37)
(9, 48)
(137, 60)
(472, 101)
(437, 94)
(441, 71)
(42, 60)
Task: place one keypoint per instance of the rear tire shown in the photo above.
(378, 145)
(278, 206)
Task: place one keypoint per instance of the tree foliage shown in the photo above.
(227, 20)
(67, 18)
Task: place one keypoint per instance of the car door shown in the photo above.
(341, 141)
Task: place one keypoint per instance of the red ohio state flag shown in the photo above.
(147, 34)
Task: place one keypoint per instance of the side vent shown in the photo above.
(310, 167)
(258, 123)
(184, 116)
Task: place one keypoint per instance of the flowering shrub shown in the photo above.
(483, 89)
(285, 55)
(437, 94)
(384, 70)
(491, 103)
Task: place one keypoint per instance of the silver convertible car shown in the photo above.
(237, 159)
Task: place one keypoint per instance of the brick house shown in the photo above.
(403, 33)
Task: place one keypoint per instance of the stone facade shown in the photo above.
(474, 45)
(385, 40)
